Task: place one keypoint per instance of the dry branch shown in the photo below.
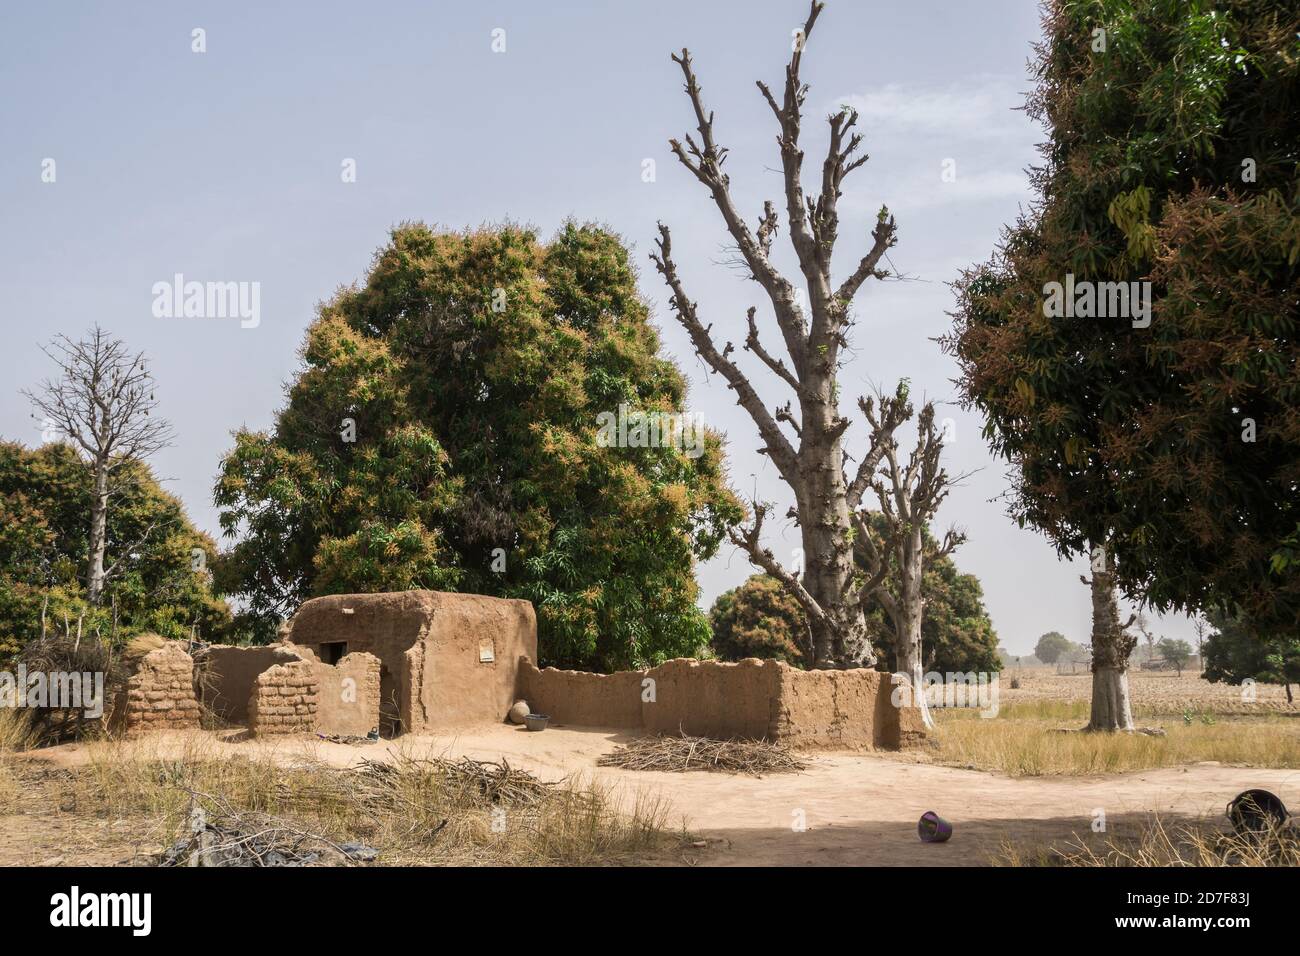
(677, 754)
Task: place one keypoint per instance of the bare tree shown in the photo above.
(804, 443)
(909, 497)
(1150, 639)
(102, 401)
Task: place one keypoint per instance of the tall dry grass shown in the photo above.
(1034, 738)
(423, 813)
(16, 734)
(1161, 843)
(16, 730)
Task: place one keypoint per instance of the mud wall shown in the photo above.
(284, 699)
(849, 709)
(159, 694)
(458, 683)
(752, 698)
(226, 675)
(711, 699)
(582, 698)
(348, 695)
(445, 659)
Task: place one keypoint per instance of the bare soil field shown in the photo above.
(1153, 692)
(844, 809)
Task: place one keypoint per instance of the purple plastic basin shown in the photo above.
(932, 828)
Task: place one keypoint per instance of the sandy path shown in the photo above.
(858, 809)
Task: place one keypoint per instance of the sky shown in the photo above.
(228, 165)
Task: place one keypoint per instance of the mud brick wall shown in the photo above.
(284, 699)
(752, 699)
(159, 694)
(227, 675)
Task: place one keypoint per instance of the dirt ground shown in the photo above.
(856, 809)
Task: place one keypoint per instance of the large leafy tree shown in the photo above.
(761, 618)
(1167, 444)
(446, 432)
(1051, 646)
(153, 578)
(1236, 651)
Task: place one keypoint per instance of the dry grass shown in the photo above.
(16, 734)
(676, 754)
(419, 810)
(1040, 737)
(16, 731)
(1163, 844)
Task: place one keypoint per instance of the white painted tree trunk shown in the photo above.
(1111, 708)
(907, 628)
(98, 534)
(909, 663)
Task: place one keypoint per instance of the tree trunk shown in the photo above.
(1111, 647)
(842, 641)
(98, 534)
(911, 664)
(907, 628)
(828, 555)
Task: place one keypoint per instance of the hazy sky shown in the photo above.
(226, 166)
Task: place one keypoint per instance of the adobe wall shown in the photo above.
(284, 699)
(347, 700)
(446, 659)
(346, 696)
(848, 709)
(583, 698)
(159, 694)
(227, 674)
(462, 687)
(711, 698)
(751, 698)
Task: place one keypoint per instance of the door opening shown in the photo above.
(331, 652)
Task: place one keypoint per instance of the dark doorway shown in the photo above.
(332, 652)
(390, 720)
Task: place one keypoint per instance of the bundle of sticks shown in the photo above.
(220, 835)
(681, 752)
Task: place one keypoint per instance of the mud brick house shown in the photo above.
(420, 662)
(444, 659)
